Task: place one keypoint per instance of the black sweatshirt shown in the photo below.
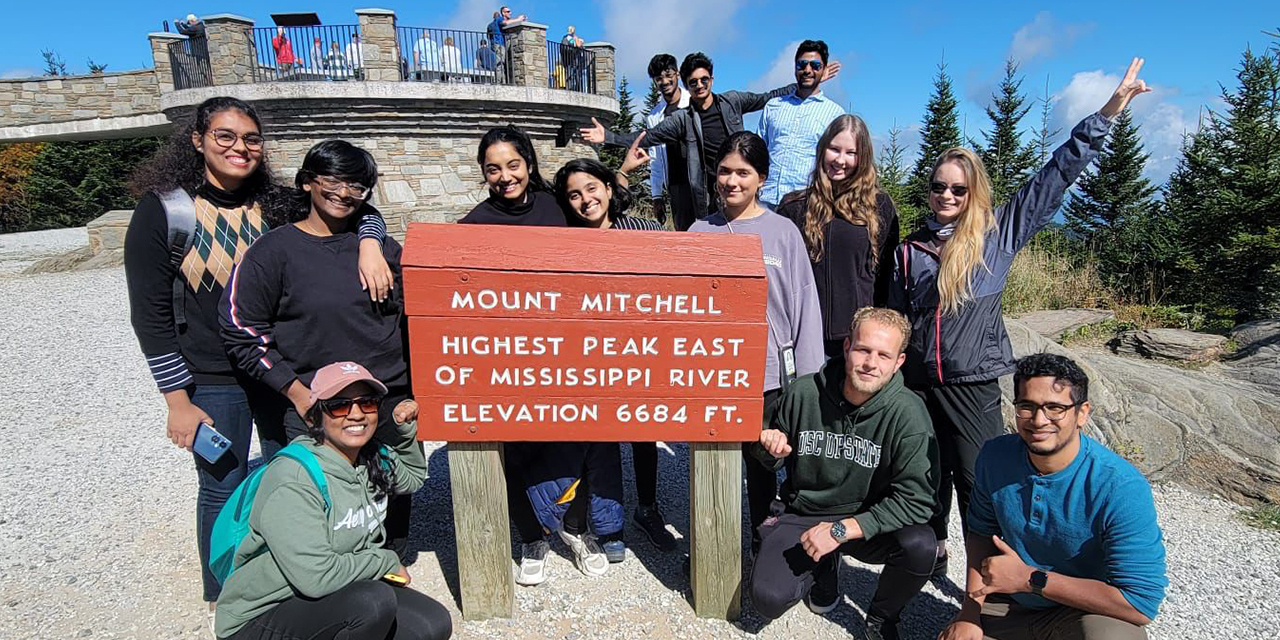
(539, 210)
(193, 353)
(845, 277)
(295, 305)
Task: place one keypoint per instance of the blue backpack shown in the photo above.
(232, 524)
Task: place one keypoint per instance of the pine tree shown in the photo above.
(940, 132)
(54, 65)
(1009, 162)
(1112, 211)
(1044, 136)
(1223, 199)
(624, 123)
(892, 171)
(651, 100)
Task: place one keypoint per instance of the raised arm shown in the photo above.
(669, 130)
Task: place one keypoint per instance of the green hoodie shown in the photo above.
(295, 548)
(876, 462)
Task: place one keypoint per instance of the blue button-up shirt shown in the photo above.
(791, 127)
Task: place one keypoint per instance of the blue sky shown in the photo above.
(890, 51)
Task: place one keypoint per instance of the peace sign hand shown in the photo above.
(1130, 87)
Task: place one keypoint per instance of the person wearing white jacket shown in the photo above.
(664, 73)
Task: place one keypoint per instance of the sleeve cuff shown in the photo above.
(869, 524)
(169, 370)
(279, 378)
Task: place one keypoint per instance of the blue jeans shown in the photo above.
(232, 410)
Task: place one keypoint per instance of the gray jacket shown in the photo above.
(685, 125)
(972, 345)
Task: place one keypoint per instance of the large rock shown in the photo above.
(1194, 427)
(1172, 344)
(1257, 356)
(1052, 324)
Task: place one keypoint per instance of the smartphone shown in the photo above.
(396, 579)
(209, 444)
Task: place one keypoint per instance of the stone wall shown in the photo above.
(29, 101)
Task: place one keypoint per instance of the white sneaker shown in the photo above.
(533, 563)
(587, 554)
(212, 613)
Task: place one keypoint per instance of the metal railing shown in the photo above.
(449, 55)
(189, 59)
(571, 68)
(295, 54)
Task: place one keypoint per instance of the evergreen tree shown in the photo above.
(651, 100)
(892, 171)
(1009, 162)
(1113, 212)
(624, 123)
(1044, 136)
(71, 183)
(940, 132)
(1223, 199)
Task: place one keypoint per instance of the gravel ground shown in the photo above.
(19, 250)
(97, 529)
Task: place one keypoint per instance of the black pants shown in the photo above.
(601, 476)
(680, 203)
(364, 610)
(783, 573)
(964, 416)
(644, 459)
(400, 507)
(762, 482)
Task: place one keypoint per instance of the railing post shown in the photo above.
(604, 67)
(160, 42)
(380, 51)
(232, 53)
(527, 51)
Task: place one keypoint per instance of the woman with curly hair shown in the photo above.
(214, 166)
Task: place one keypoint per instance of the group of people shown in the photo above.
(284, 309)
(336, 61)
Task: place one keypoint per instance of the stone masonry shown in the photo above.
(604, 67)
(380, 50)
(527, 49)
(46, 100)
(232, 54)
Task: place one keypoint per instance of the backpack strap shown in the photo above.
(308, 461)
(180, 212)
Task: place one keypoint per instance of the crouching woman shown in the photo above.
(312, 567)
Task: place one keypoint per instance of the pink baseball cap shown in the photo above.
(332, 378)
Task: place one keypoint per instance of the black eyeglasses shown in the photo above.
(341, 407)
(957, 190)
(667, 75)
(693, 82)
(816, 65)
(333, 185)
(226, 139)
(1026, 410)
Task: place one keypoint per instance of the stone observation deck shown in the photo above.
(418, 99)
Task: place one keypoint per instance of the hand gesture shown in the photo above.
(182, 423)
(961, 630)
(375, 274)
(1003, 572)
(817, 541)
(406, 411)
(830, 71)
(636, 155)
(775, 442)
(1130, 87)
(593, 134)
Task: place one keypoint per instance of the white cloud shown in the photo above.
(782, 71)
(19, 72)
(639, 30)
(473, 15)
(1087, 91)
(1044, 36)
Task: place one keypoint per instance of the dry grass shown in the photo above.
(1043, 279)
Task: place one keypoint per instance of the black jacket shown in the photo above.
(972, 345)
(846, 279)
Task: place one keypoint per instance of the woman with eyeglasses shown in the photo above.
(312, 564)
(849, 226)
(294, 303)
(948, 278)
(212, 173)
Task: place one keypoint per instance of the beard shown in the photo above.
(867, 386)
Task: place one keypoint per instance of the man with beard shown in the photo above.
(861, 473)
(667, 170)
(1062, 537)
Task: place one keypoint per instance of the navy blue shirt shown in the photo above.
(495, 31)
(1094, 519)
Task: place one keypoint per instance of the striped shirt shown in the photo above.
(635, 224)
(791, 127)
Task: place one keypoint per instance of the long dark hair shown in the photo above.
(619, 202)
(520, 141)
(381, 476)
(177, 164)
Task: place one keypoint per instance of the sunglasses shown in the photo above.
(341, 407)
(816, 65)
(226, 139)
(696, 82)
(334, 185)
(957, 190)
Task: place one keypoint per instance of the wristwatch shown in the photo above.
(838, 532)
(1038, 580)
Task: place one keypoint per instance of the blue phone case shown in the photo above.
(209, 444)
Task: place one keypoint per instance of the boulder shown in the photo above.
(1171, 344)
(65, 262)
(1052, 324)
(1199, 428)
(1257, 356)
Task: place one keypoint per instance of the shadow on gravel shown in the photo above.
(432, 525)
(673, 501)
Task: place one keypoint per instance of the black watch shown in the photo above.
(838, 532)
(1038, 580)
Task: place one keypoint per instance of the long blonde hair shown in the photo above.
(962, 254)
(853, 198)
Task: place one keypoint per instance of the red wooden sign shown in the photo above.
(527, 333)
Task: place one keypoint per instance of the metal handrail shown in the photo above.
(189, 59)
(570, 67)
(451, 55)
(294, 54)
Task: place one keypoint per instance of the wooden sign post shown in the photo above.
(544, 334)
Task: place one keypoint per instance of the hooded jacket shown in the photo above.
(875, 462)
(972, 345)
(295, 548)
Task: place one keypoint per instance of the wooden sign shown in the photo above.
(545, 334)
